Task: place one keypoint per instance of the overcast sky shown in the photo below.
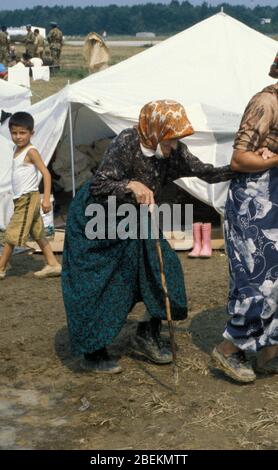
(13, 4)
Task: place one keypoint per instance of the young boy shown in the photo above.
(26, 219)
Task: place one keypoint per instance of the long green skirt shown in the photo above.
(102, 280)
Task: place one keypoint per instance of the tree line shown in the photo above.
(127, 20)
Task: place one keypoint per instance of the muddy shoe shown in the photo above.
(235, 366)
(270, 367)
(100, 362)
(148, 342)
(49, 271)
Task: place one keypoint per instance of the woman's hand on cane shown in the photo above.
(142, 193)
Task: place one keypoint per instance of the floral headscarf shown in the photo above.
(274, 68)
(162, 120)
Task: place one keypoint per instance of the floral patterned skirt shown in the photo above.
(251, 232)
(102, 280)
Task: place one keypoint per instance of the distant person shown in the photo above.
(12, 56)
(3, 72)
(26, 219)
(104, 35)
(55, 40)
(40, 44)
(26, 60)
(4, 45)
(30, 39)
(47, 58)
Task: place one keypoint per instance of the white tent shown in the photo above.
(6, 206)
(12, 98)
(212, 68)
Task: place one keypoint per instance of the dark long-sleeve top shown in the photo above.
(124, 161)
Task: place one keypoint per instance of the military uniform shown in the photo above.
(4, 47)
(39, 42)
(55, 40)
(47, 59)
(30, 44)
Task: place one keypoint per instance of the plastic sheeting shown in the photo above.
(96, 52)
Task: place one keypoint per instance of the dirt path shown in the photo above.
(46, 402)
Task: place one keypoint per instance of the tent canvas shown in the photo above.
(12, 98)
(212, 68)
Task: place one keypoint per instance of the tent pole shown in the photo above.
(71, 150)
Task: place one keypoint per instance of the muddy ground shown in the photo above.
(47, 402)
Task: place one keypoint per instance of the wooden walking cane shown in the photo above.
(166, 300)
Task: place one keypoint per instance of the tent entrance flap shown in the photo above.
(80, 148)
(71, 150)
(88, 126)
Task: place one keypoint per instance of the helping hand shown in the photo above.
(265, 153)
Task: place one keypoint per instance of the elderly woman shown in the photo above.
(104, 278)
(251, 228)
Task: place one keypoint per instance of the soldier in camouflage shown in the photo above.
(4, 45)
(30, 42)
(55, 40)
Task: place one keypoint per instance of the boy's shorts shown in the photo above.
(26, 220)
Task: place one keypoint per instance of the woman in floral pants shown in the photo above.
(251, 230)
